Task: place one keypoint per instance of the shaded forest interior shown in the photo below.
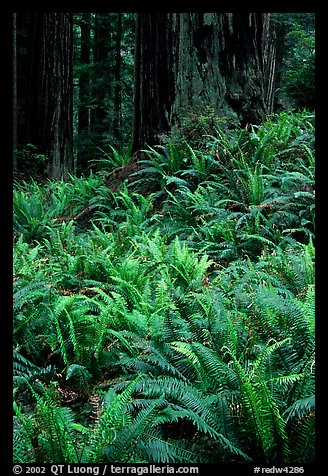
(78, 78)
(164, 238)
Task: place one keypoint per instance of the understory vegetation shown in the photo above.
(170, 318)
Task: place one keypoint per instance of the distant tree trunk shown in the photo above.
(269, 55)
(99, 116)
(84, 93)
(50, 110)
(23, 40)
(193, 61)
(136, 129)
(14, 92)
(153, 78)
(84, 89)
(117, 117)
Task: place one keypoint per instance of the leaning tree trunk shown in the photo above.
(50, 111)
(196, 61)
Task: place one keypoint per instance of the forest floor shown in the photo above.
(165, 313)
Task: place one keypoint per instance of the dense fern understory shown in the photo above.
(171, 319)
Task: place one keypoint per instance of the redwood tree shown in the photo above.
(14, 91)
(153, 77)
(84, 89)
(84, 79)
(100, 87)
(192, 61)
(117, 109)
(49, 109)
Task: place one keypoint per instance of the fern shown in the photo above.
(301, 422)
(79, 375)
(23, 437)
(113, 418)
(52, 428)
(109, 160)
(29, 293)
(193, 405)
(25, 370)
(128, 440)
(189, 270)
(31, 216)
(156, 449)
(28, 263)
(266, 424)
(179, 312)
(211, 372)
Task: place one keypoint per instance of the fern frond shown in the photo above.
(303, 431)
(23, 451)
(209, 368)
(24, 435)
(28, 293)
(112, 419)
(24, 369)
(268, 426)
(159, 450)
(156, 358)
(193, 406)
(52, 429)
(78, 374)
(300, 408)
(128, 439)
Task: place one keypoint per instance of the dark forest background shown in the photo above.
(77, 79)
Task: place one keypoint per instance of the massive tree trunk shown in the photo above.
(196, 61)
(50, 108)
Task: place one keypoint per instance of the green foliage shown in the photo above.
(49, 435)
(39, 210)
(193, 125)
(30, 162)
(175, 330)
(99, 87)
(161, 166)
(299, 80)
(31, 217)
(296, 42)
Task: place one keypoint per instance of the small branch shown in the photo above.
(85, 211)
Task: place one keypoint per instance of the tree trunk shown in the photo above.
(136, 141)
(14, 92)
(23, 34)
(117, 116)
(269, 55)
(224, 67)
(196, 62)
(152, 78)
(99, 115)
(84, 91)
(50, 110)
